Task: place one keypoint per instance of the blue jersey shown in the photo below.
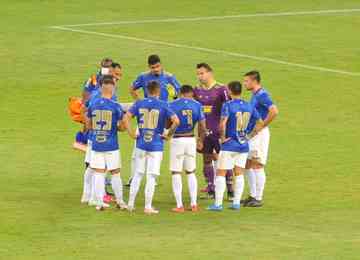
(165, 79)
(152, 115)
(96, 94)
(189, 113)
(261, 100)
(104, 115)
(241, 116)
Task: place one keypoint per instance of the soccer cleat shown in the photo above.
(84, 199)
(246, 201)
(107, 198)
(213, 207)
(195, 208)
(151, 211)
(255, 204)
(178, 210)
(102, 207)
(122, 205)
(234, 206)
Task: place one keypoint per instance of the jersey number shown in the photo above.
(242, 121)
(188, 114)
(102, 120)
(150, 118)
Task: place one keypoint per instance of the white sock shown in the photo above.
(132, 166)
(251, 181)
(87, 184)
(117, 187)
(238, 188)
(92, 194)
(193, 186)
(177, 189)
(134, 188)
(220, 185)
(99, 187)
(149, 190)
(260, 183)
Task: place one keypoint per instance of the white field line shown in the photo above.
(208, 50)
(206, 18)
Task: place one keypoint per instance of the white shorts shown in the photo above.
(228, 160)
(105, 160)
(88, 152)
(259, 146)
(183, 154)
(148, 162)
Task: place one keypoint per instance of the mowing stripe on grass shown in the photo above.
(208, 50)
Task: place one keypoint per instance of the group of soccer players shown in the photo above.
(231, 134)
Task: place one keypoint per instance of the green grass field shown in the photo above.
(313, 188)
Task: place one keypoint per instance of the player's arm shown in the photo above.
(222, 128)
(202, 133)
(174, 123)
(259, 125)
(134, 93)
(127, 124)
(88, 122)
(273, 112)
(175, 83)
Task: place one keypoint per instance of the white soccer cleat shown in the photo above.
(121, 205)
(84, 200)
(151, 211)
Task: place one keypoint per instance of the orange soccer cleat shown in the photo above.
(195, 208)
(178, 210)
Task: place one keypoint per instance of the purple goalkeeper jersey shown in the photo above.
(212, 100)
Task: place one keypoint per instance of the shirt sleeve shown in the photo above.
(120, 112)
(138, 82)
(89, 112)
(134, 109)
(225, 95)
(225, 110)
(265, 100)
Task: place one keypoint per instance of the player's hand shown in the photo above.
(165, 137)
(133, 134)
(224, 140)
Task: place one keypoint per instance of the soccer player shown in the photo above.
(212, 96)
(105, 119)
(88, 185)
(151, 114)
(183, 145)
(169, 88)
(236, 116)
(259, 144)
(93, 82)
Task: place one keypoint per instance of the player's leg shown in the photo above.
(251, 179)
(225, 162)
(153, 163)
(140, 161)
(98, 164)
(177, 153)
(240, 163)
(190, 168)
(132, 166)
(258, 165)
(208, 168)
(88, 175)
(113, 164)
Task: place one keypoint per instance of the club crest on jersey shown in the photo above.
(148, 136)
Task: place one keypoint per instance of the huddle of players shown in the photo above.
(233, 136)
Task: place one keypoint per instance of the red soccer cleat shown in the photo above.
(195, 208)
(107, 199)
(178, 210)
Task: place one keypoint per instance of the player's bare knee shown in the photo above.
(99, 170)
(256, 165)
(208, 158)
(221, 172)
(115, 171)
(238, 171)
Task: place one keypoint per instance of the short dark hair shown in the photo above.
(115, 65)
(107, 79)
(106, 62)
(204, 65)
(235, 87)
(153, 86)
(186, 89)
(153, 59)
(254, 74)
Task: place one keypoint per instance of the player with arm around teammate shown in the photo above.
(236, 117)
(183, 145)
(151, 114)
(105, 119)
